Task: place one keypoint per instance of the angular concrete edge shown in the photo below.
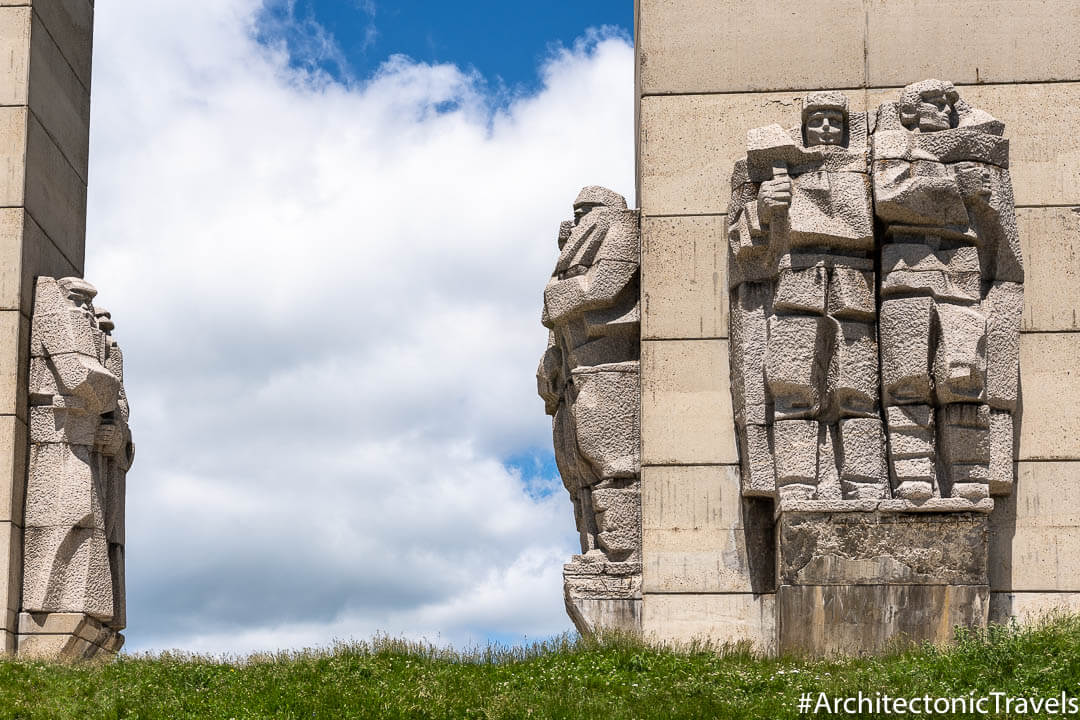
(700, 536)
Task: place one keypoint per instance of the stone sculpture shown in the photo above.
(951, 294)
(809, 392)
(882, 459)
(803, 330)
(80, 451)
(589, 380)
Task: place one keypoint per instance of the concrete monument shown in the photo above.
(44, 128)
(588, 378)
(718, 561)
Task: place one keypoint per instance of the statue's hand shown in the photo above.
(773, 195)
(974, 180)
(108, 438)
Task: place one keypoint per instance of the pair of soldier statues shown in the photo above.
(876, 294)
(876, 289)
(80, 452)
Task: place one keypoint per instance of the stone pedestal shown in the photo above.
(602, 595)
(67, 635)
(859, 577)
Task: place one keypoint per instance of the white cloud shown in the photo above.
(328, 297)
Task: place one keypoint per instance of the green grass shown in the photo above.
(613, 678)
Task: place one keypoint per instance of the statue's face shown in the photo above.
(82, 301)
(934, 111)
(825, 127)
(580, 211)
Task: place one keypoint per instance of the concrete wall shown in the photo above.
(709, 70)
(44, 142)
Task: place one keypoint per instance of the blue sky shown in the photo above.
(504, 41)
(323, 232)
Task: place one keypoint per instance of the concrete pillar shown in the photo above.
(45, 48)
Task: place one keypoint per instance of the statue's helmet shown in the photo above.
(826, 100)
(596, 195)
(77, 286)
(104, 319)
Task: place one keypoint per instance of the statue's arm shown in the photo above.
(923, 193)
(597, 288)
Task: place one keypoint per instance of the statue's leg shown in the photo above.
(796, 363)
(906, 329)
(964, 442)
(963, 417)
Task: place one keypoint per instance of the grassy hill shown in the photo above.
(612, 679)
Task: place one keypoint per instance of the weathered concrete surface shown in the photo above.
(1052, 266)
(1028, 607)
(683, 271)
(1002, 41)
(841, 548)
(726, 40)
(1049, 373)
(592, 615)
(859, 619)
(686, 415)
(25, 253)
(67, 635)
(12, 468)
(1034, 542)
(699, 535)
(719, 618)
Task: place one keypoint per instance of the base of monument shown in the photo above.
(68, 636)
(865, 581)
(602, 595)
(599, 614)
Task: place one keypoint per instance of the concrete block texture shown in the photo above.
(833, 619)
(12, 468)
(1050, 382)
(699, 535)
(719, 618)
(58, 98)
(683, 267)
(1049, 237)
(13, 156)
(15, 49)
(10, 565)
(1000, 41)
(699, 46)
(55, 194)
(70, 23)
(689, 144)
(686, 414)
(1034, 543)
(1029, 607)
(867, 548)
(14, 336)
